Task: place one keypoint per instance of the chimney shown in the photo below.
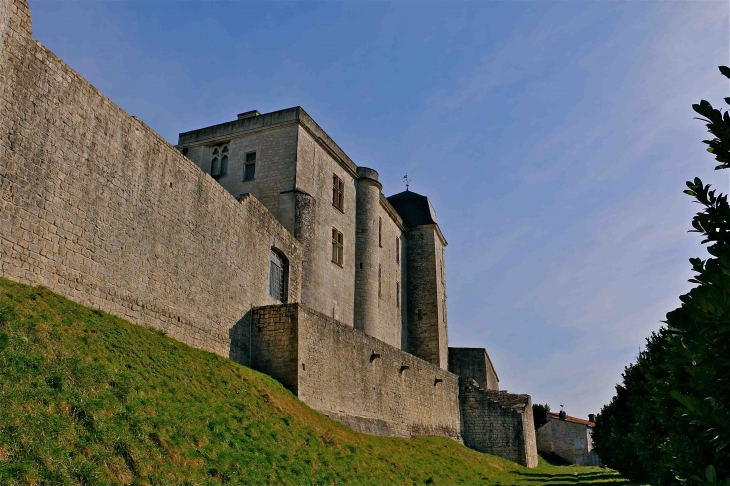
(591, 417)
(248, 114)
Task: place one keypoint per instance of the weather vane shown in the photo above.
(407, 180)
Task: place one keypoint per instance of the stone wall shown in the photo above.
(333, 286)
(427, 332)
(498, 423)
(474, 363)
(276, 152)
(360, 381)
(97, 207)
(393, 299)
(569, 440)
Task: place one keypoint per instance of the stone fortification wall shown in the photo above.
(474, 363)
(354, 378)
(99, 208)
(498, 423)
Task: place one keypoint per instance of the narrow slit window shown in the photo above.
(380, 275)
(397, 249)
(419, 314)
(337, 247)
(380, 232)
(397, 294)
(249, 168)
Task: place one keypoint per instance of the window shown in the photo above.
(578, 444)
(337, 247)
(219, 161)
(380, 274)
(249, 168)
(278, 276)
(380, 232)
(419, 314)
(397, 249)
(397, 294)
(338, 193)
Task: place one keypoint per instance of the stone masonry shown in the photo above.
(361, 381)
(99, 208)
(498, 423)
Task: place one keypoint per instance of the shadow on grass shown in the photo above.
(595, 477)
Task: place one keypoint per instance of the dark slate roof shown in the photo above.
(416, 210)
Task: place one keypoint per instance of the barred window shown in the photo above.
(249, 168)
(278, 276)
(337, 247)
(219, 161)
(338, 193)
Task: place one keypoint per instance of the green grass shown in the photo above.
(87, 398)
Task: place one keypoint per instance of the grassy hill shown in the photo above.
(87, 398)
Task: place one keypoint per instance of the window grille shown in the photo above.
(249, 169)
(277, 276)
(337, 247)
(338, 193)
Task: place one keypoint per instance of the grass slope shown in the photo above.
(87, 398)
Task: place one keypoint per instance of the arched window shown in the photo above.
(278, 276)
(219, 161)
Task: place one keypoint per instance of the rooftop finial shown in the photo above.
(407, 180)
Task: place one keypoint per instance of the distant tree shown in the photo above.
(670, 419)
(539, 414)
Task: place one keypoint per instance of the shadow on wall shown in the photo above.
(240, 337)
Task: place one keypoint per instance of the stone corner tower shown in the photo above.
(426, 278)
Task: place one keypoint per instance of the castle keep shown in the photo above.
(256, 239)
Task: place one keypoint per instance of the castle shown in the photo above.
(256, 239)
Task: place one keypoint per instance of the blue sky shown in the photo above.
(553, 138)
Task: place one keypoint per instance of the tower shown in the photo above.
(366, 251)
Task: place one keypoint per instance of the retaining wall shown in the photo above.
(352, 377)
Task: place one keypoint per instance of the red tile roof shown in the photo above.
(568, 418)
